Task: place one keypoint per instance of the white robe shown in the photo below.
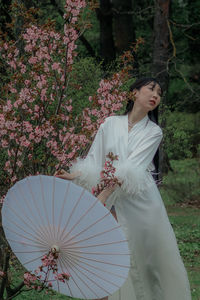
(157, 271)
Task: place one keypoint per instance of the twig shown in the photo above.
(5, 269)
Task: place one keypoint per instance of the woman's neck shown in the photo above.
(136, 115)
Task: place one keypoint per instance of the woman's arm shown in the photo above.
(133, 171)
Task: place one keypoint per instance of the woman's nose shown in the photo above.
(155, 95)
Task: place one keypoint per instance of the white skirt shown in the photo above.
(157, 271)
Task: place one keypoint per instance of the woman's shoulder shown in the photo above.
(155, 128)
(111, 119)
(115, 118)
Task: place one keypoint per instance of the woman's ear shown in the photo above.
(135, 92)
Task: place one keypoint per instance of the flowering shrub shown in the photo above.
(39, 129)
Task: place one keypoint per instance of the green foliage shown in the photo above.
(182, 135)
(84, 81)
(183, 184)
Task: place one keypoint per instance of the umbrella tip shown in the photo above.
(55, 249)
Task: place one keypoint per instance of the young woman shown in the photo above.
(157, 271)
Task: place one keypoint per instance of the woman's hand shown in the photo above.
(103, 196)
(65, 175)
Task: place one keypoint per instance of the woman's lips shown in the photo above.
(153, 102)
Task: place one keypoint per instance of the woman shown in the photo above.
(157, 271)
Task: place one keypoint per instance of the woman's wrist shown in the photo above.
(75, 175)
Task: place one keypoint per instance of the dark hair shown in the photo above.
(138, 84)
(153, 115)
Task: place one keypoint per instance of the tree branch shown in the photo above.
(5, 269)
(12, 293)
(81, 37)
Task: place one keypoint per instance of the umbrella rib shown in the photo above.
(23, 236)
(21, 209)
(79, 220)
(44, 205)
(84, 230)
(24, 243)
(25, 201)
(59, 262)
(98, 253)
(103, 262)
(30, 234)
(88, 277)
(97, 245)
(24, 221)
(30, 189)
(95, 235)
(102, 270)
(80, 278)
(62, 210)
(34, 259)
(70, 216)
(33, 251)
(93, 273)
(74, 279)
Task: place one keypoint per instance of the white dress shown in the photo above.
(157, 271)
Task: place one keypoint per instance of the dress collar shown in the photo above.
(140, 123)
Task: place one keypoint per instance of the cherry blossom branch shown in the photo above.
(108, 179)
(38, 280)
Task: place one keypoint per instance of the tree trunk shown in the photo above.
(5, 17)
(159, 68)
(107, 48)
(123, 25)
(161, 42)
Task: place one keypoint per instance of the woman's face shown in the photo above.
(148, 97)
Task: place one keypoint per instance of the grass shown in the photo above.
(181, 195)
(186, 225)
(184, 217)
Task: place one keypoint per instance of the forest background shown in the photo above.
(153, 38)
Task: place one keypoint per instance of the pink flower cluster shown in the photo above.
(39, 279)
(108, 178)
(106, 102)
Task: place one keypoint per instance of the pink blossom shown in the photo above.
(1, 202)
(4, 143)
(2, 274)
(14, 179)
(55, 66)
(33, 60)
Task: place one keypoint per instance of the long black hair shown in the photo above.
(153, 115)
(138, 84)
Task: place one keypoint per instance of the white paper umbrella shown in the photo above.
(42, 211)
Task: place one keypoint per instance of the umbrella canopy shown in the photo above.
(41, 212)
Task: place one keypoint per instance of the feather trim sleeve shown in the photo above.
(134, 179)
(90, 173)
(91, 166)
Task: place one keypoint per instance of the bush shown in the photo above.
(183, 184)
(182, 135)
